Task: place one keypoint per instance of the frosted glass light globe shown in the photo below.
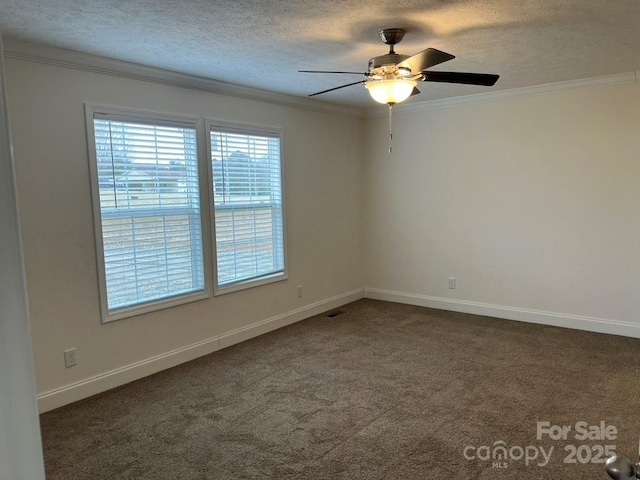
(390, 91)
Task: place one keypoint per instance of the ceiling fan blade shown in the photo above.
(327, 71)
(336, 88)
(415, 91)
(425, 59)
(485, 79)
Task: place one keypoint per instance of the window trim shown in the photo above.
(206, 199)
(246, 129)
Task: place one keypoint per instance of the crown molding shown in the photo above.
(627, 78)
(32, 52)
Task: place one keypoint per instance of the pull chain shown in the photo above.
(390, 128)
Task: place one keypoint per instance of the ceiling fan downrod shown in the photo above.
(391, 37)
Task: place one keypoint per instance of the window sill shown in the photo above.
(246, 284)
(126, 312)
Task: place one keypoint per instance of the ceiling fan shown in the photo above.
(392, 78)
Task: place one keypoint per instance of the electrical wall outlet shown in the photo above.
(452, 283)
(70, 358)
(299, 290)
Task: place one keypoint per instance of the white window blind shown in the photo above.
(247, 191)
(150, 218)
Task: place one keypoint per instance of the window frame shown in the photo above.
(205, 198)
(246, 129)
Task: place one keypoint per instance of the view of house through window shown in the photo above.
(150, 216)
(247, 191)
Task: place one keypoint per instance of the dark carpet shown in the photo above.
(383, 391)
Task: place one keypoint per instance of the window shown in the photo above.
(147, 212)
(248, 213)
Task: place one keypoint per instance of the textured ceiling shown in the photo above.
(262, 43)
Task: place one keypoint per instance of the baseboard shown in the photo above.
(91, 386)
(273, 323)
(114, 378)
(591, 324)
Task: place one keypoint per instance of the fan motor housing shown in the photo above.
(387, 60)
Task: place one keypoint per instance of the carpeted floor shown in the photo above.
(383, 391)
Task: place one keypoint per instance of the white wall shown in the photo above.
(20, 447)
(531, 203)
(322, 168)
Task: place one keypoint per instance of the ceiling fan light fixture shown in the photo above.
(390, 91)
